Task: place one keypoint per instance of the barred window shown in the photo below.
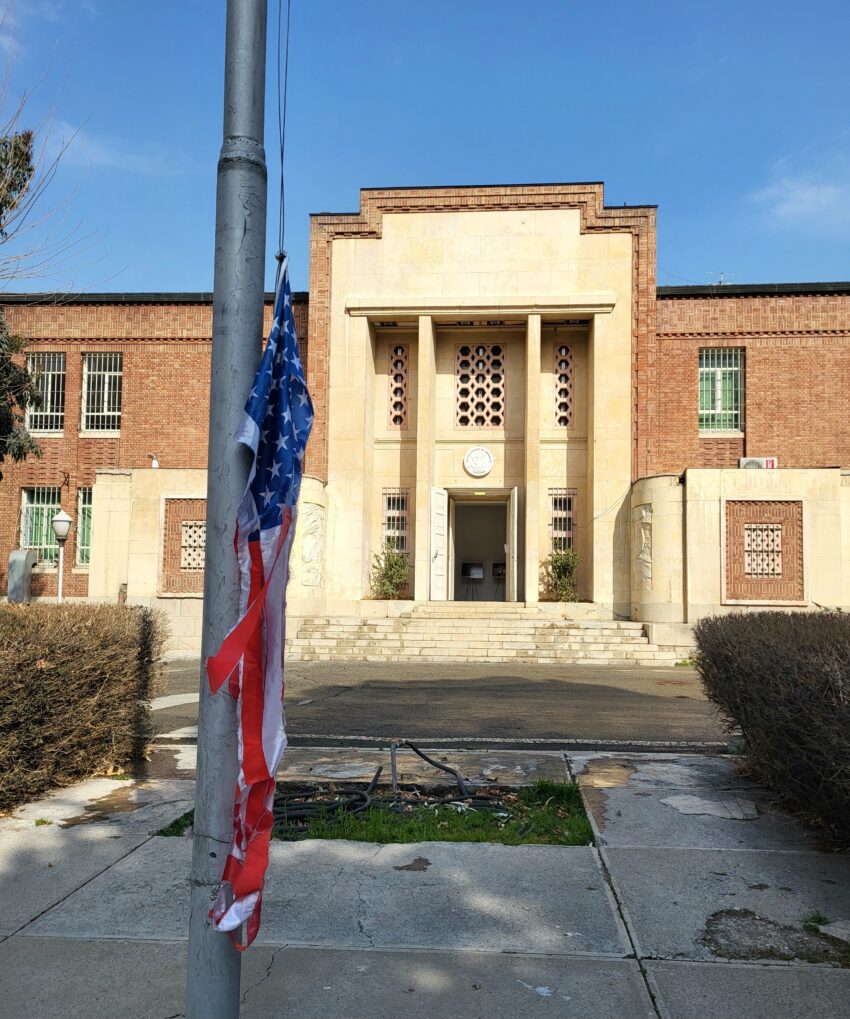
(562, 518)
(721, 389)
(763, 550)
(48, 371)
(480, 373)
(38, 508)
(396, 518)
(84, 526)
(399, 360)
(193, 539)
(102, 377)
(563, 386)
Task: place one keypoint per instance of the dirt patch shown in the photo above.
(417, 865)
(599, 776)
(742, 934)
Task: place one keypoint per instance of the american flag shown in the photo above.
(275, 426)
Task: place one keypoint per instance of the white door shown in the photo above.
(439, 531)
(513, 518)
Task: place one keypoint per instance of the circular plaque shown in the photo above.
(478, 461)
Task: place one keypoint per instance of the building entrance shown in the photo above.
(480, 552)
(474, 546)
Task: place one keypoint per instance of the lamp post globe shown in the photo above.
(61, 524)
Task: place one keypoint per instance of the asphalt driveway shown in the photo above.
(502, 703)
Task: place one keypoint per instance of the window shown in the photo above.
(721, 390)
(38, 508)
(193, 539)
(480, 373)
(563, 386)
(562, 518)
(398, 385)
(396, 519)
(48, 371)
(83, 526)
(102, 392)
(762, 550)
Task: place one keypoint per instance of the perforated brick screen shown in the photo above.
(184, 539)
(764, 551)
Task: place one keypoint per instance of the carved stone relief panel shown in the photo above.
(642, 547)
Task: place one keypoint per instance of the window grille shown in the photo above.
(562, 518)
(102, 392)
(396, 519)
(399, 360)
(38, 508)
(721, 389)
(763, 550)
(83, 526)
(563, 386)
(480, 372)
(193, 539)
(48, 371)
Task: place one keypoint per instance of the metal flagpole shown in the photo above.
(213, 972)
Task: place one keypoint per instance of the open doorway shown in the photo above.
(480, 551)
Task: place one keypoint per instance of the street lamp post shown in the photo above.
(61, 525)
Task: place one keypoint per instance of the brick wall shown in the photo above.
(166, 352)
(797, 377)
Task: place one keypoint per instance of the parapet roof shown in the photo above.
(302, 296)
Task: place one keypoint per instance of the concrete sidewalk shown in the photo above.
(691, 905)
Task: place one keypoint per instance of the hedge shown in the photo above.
(75, 688)
(784, 680)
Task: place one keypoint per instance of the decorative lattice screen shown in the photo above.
(763, 550)
(563, 386)
(399, 361)
(184, 538)
(480, 371)
(193, 538)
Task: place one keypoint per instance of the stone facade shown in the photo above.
(503, 348)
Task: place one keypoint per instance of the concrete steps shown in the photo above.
(479, 633)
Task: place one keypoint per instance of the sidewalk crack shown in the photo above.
(264, 977)
(606, 873)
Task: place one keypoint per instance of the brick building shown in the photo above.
(495, 375)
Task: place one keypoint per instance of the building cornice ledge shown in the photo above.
(600, 303)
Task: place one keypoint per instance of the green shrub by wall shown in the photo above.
(784, 679)
(75, 688)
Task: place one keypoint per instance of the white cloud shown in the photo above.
(16, 17)
(812, 201)
(109, 152)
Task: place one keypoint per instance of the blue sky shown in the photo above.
(732, 117)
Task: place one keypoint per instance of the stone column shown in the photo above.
(610, 459)
(426, 401)
(531, 559)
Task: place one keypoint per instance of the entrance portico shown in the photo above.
(478, 349)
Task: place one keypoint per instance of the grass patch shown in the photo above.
(179, 826)
(39, 821)
(547, 813)
(814, 921)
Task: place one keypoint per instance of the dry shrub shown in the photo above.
(784, 679)
(75, 693)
